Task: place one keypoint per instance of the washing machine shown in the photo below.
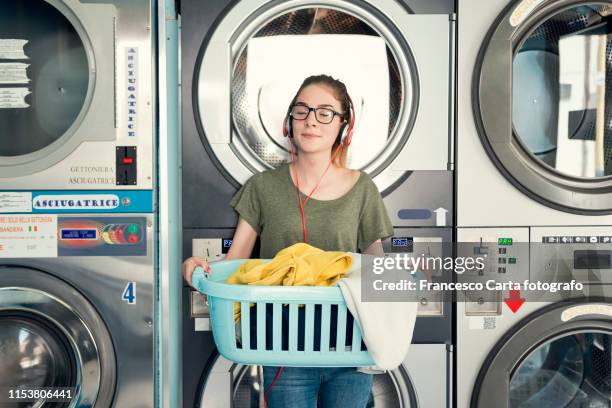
(534, 143)
(76, 95)
(536, 347)
(239, 72)
(76, 310)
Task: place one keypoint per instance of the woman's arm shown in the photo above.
(242, 246)
(375, 249)
(243, 241)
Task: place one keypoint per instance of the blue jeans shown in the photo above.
(331, 387)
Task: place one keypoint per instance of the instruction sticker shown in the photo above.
(28, 236)
(12, 98)
(14, 73)
(15, 202)
(12, 49)
(201, 324)
(482, 322)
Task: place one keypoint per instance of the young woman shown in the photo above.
(318, 200)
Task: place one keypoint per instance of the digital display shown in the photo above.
(400, 242)
(504, 241)
(79, 234)
(227, 243)
(102, 236)
(592, 259)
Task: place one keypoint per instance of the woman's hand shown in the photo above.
(189, 266)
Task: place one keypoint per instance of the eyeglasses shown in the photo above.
(323, 115)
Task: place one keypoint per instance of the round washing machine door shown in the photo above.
(50, 79)
(51, 336)
(253, 63)
(558, 357)
(546, 118)
(240, 386)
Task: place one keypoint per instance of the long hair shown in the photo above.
(341, 94)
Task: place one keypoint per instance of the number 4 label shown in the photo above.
(129, 293)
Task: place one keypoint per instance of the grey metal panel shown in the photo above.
(421, 190)
(201, 173)
(432, 329)
(430, 383)
(197, 349)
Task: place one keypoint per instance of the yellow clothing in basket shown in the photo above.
(297, 265)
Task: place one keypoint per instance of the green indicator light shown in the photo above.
(504, 241)
(133, 228)
(511, 260)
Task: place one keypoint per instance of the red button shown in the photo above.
(132, 238)
(128, 160)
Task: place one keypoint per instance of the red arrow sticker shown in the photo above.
(515, 301)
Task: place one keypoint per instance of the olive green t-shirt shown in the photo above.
(268, 201)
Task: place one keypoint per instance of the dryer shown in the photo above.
(534, 142)
(76, 95)
(534, 164)
(233, 101)
(76, 309)
(555, 349)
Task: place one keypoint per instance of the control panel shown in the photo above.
(504, 252)
(211, 249)
(431, 303)
(541, 260)
(562, 254)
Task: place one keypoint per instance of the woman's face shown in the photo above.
(310, 135)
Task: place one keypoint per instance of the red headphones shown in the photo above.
(346, 131)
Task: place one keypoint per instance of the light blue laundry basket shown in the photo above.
(233, 341)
